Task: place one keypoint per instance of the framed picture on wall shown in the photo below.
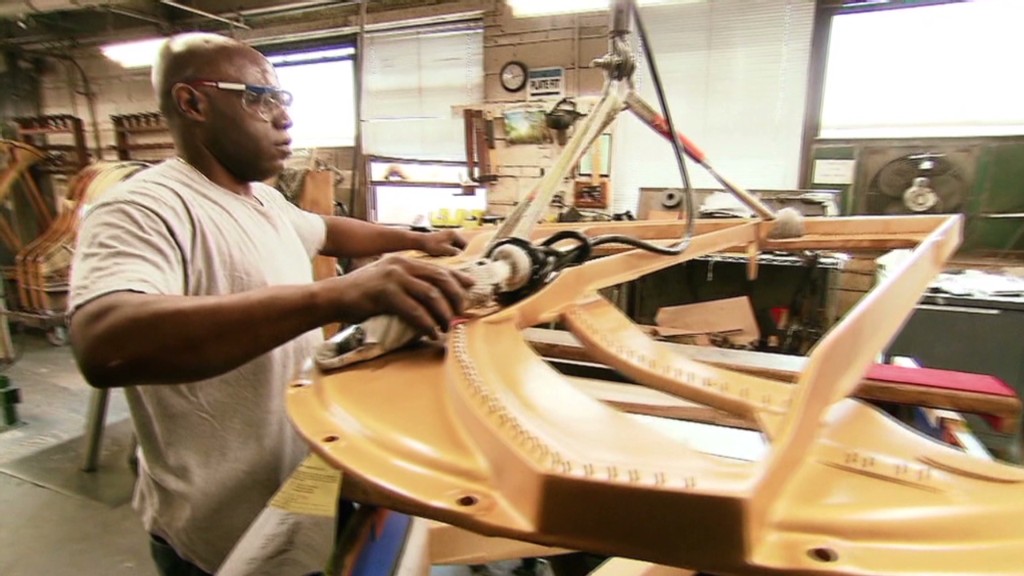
(526, 127)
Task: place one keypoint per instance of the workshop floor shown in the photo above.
(55, 519)
(44, 530)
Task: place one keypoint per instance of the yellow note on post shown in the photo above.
(312, 489)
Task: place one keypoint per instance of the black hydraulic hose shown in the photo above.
(677, 150)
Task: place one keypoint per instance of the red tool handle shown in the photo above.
(661, 125)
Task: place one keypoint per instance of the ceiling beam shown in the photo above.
(114, 9)
(205, 14)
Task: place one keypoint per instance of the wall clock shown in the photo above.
(513, 76)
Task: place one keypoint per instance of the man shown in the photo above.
(192, 287)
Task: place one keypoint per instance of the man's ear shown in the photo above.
(189, 102)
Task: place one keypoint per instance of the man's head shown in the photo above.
(220, 98)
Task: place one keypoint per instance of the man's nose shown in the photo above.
(281, 119)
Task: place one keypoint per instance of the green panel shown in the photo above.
(835, 152)
(993, 236)
(1000, 183)
(998, 189)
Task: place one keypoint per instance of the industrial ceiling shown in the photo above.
(73, 23)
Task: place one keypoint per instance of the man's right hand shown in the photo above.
(424, 295)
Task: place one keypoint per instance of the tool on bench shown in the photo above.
(504, 272)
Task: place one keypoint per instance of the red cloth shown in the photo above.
(947, 380)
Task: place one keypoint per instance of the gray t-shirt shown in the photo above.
(214, 451)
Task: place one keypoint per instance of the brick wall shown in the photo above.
(570, 42)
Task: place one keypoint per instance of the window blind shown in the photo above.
(411, 81)
(735, 76)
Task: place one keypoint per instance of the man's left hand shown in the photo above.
(442, 243)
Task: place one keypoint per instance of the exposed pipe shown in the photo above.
(294, 8)
(72, 93)
(17, 8)
(90, 96)
(90, 101)
(135, 14)
(379, 27)
(29, 7)
(362, 209)
(206, 14)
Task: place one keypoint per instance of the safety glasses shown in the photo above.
(262, 100)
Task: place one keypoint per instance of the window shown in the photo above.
(421, 193)
(323, 113)
(945, 70)
(412, 80)
(735, 76)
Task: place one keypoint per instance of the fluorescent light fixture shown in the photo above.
(548, 7)
(136, 54)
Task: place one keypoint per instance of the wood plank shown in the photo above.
(846, 299)
(863, 264)
(876, 233)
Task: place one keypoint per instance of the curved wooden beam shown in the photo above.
(18, 158)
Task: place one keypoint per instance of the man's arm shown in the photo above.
(352, 238)
(128, 338)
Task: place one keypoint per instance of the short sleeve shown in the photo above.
(126, 246)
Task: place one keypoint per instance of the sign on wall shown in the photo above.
(545, 83)
(833, 171)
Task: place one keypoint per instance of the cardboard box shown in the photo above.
(706, 323)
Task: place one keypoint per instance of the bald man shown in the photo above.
(192, 288)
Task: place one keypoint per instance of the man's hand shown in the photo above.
(442, 243)
(425, 296)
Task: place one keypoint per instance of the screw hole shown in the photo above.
(331, 438)
(297, 385)
(824, 554)
(468, 500)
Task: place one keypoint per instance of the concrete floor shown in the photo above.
(43, 531)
